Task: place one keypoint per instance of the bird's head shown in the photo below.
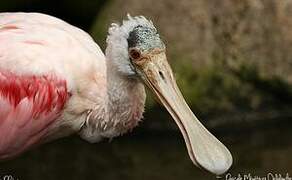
(137, 50)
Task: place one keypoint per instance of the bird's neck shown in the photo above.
(123, 107)
(126, 99)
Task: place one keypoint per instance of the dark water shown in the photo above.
(153, 155)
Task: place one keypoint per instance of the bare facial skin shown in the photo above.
(204, 149)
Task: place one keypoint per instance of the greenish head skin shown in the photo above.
(144, 38)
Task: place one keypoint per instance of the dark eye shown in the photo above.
(134, 54)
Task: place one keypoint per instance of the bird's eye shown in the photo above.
(134, 54)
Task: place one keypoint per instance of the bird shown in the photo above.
(55, 81)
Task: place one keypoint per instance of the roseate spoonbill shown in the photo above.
(56, 81)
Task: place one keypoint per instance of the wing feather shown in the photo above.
(33, 46)
(28, 106)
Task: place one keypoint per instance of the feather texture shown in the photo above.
(102, 104)
(28, 106)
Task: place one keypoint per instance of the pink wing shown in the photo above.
(28, 106)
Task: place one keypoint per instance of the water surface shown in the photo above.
(153, 155)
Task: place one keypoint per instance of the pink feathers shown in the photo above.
(28, 106)
(9, 27)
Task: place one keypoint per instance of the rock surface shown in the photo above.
(228, 55)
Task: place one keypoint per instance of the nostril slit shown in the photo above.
(161, 75)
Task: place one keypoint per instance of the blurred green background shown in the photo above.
(232, 60)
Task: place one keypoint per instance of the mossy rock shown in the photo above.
(213, 45)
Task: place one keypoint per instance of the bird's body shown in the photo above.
(56, 81)
(39, 46)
